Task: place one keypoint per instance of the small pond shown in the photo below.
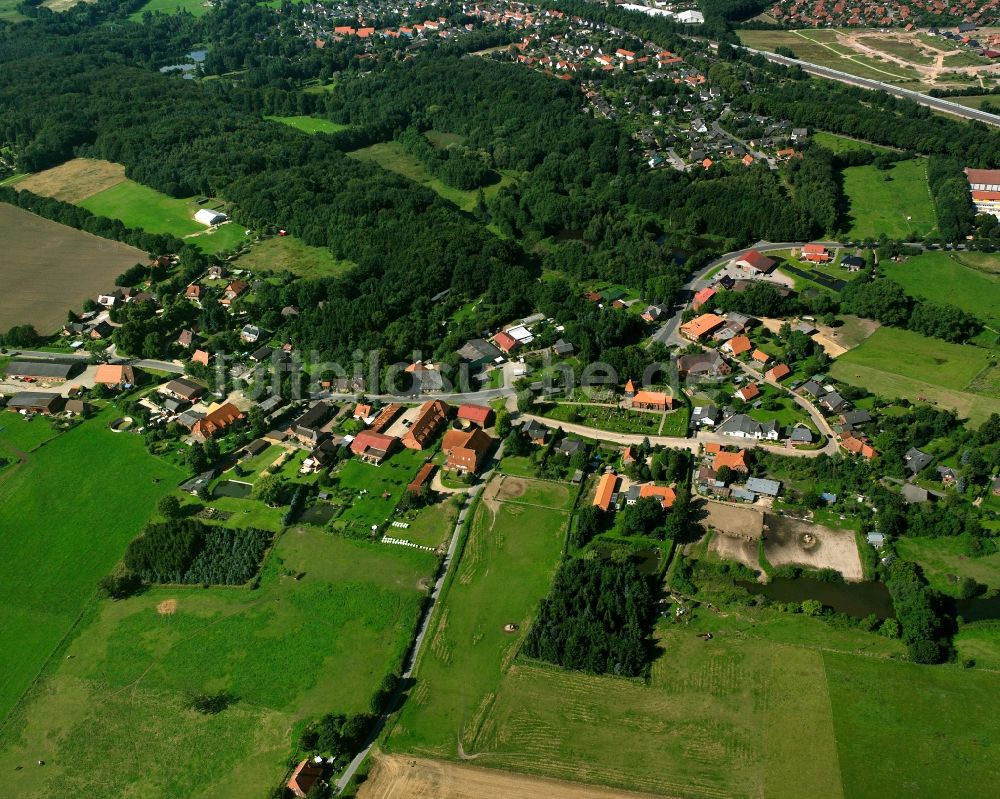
(318, 514)
(233, 488)
(647, 560)
(854, 599)
(861, 599)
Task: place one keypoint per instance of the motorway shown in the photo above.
(936, 103)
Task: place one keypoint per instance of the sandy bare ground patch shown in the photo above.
(75, 180)
(799, 543)
(729, 547)
(397, 777)
(734, 520)
(168, 607)
(830, 347)
(48, 268)
(510, 488)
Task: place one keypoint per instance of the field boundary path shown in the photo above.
(393, 704)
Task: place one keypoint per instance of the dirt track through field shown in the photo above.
(397, 777)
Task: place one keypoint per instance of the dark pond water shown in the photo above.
(231, 488)
(187, 68)
(860, 599)
(318, 514)
(647, 561)
(854, 599)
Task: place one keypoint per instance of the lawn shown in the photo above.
(309, 124)
(9, 12)
(139, 206)
(941, 557)
(900, 207)
(392, 156)
(943, 276)
(909, 715)
(505, 569)
(776, 705)
(844, 144)
(330, 619)
(289, 254)
(375, 490)
(429, 527)
(67, 514)
(195, 7)
(898, 363)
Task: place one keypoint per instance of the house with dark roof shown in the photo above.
(307, 773)
(760, 485)
(42, 370)
(742, 426)
(702, 365)
(812, 388)
(832, 401)
(307, 427)
(916, 461)
(478, 352)
(36, 402)
(704, 415)
(535, 431)
(183, 388)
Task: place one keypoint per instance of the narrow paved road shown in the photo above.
(393, 704)
(936, 103)
(701, 437)
(666, 331)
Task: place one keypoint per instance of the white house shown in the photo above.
(209, 217)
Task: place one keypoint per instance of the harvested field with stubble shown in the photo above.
(49, 268)
(75, 180)
(395, 777)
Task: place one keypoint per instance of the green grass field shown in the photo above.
(945, 277)
(111, 719)
(898, 363)
(67, 512)
(505, 569)
(142, 207)
(9, 12)
(899, 208)
(392, 156)
(908, 715)
(821, 47)
(382, 486)
(617, 420)
(775, 705)
(940, 557)
(195, 7)
(431, 526)
(309, 124)
(844, 144)
(287, 253)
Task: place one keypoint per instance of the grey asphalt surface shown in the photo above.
(937, 103)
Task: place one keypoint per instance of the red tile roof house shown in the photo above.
(466, 450)
(432, 416)
(373, 447)
(481, 415)
(815, 253)
(652, 401)
(306, 775)
(779, 372)
(505, 342)
(235, 289)
(217, 422)
(756, 263)
(748, 392)
(193, 292)
(702, 297)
